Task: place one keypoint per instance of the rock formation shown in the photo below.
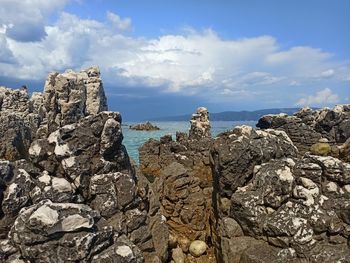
(144, 127)
(306, 127)
(68, 192)
(183, 179)
(200, 125)
(273, 199)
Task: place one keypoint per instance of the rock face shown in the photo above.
(200, 125)
(308, 126)
(71, 96)
(19, 123)
(273, 205)
(144, 127)
(183, 179)
(68, 191)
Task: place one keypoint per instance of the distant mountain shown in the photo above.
(232, 115)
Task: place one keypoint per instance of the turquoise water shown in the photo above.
(134, 139)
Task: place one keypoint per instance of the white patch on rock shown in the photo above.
(45, 178)
(308, 194)
(74, 222)
(68, 162)
(332, 187)
(347, 188)
(62, 150)
(285, 174)
(307, 183)
(124, 251)
(61, 185)
(245, 130)
(46, 215)
(11, 190)
(34, 149)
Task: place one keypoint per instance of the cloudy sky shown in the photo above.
(160, 57)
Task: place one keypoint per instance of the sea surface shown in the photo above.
(134, 139)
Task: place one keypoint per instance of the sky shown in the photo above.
(160, 58)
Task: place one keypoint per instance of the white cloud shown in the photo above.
(194, 62)
(321, 98)
(118, 22)
(24, 20)
(327, 73)
(6, 55)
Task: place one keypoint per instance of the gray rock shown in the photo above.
(308, 126)
(71, 96)
(200, 125)
(59, 232)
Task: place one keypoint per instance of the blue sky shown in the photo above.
(169, 57)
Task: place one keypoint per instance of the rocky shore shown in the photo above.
(144, 127)
(69, 193)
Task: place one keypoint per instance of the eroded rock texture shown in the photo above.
(273, 205)
(183, 181)
(308, 126)
(19, 123)
(68, 191)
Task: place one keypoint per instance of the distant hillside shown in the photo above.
(232, 115)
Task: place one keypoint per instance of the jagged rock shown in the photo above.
(76, 198)
(17, 194)
(200, 125)
(56, 189)
(183, 181)
(14, 100)
(296, 203)
(108, 194)
(123, 251)
(77, 151)
(71, 96)
(57, 232)
(236, 153)
(144, 127)
(18, 123)
(307, 126)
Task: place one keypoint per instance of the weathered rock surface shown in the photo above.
(18, 123)
(308, 126)
(273, 205)
(200, 125)
(72, 95)
(69, 193)
(144, 127)
(183, 180)
(76, 197)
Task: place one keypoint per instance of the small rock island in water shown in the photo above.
(69, 193)
(144, 127)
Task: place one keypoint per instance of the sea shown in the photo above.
(134, 139)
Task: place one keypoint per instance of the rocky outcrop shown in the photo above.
(19, 123)
(144, 127)
(306, 127)
(182, 178)
(75, 197)
(72, 95)
(273, 205)
(200, 125)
